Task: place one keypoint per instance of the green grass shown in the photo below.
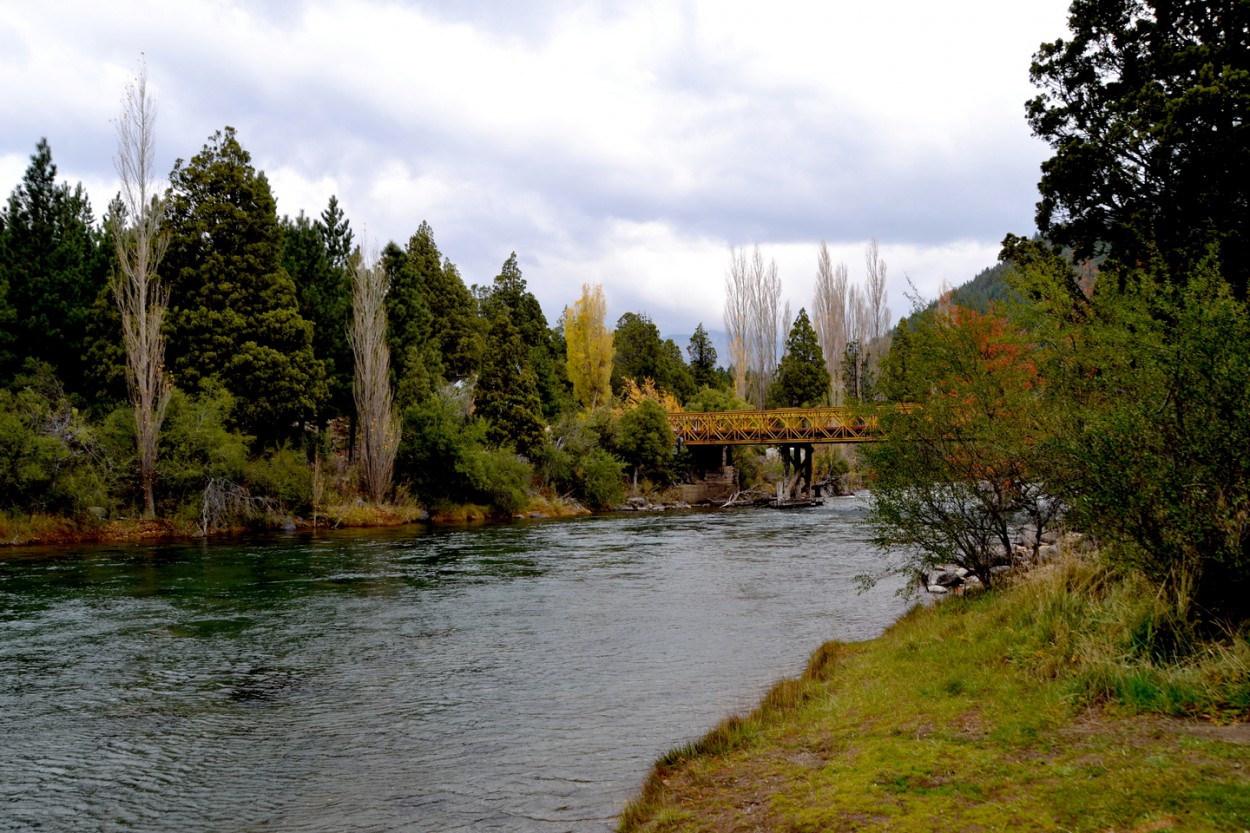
(1045, 706)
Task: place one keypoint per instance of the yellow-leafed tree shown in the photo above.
(589, 347)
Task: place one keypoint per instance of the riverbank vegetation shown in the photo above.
(1050, 704)
(193, 361)
(1103, 387)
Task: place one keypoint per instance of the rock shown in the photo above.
(288, 525)
(948, 579)
(539, 515)
(937, 589)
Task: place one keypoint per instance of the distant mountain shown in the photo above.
(988, 287)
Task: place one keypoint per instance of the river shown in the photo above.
(518, 677)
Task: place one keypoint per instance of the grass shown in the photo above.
(1073, 700)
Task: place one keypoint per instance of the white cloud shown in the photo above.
(630, 143)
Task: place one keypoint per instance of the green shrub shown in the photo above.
(283, 475)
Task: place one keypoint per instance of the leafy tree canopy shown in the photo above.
(1145, 106)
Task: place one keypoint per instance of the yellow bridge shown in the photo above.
(788, 426)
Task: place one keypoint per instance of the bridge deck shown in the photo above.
(776, 426)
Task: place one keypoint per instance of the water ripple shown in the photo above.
(514, 678)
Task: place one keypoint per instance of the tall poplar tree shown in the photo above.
(234, 314)
(589, 347)
(142, 297)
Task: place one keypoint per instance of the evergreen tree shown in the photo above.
(507, 390)
(336, 235)
(456, 330)
(323, 283)
(53, 265)
(802, 378)
(642, 354)
(408, 331)
(234, 313)
(508, 296)
(702, 358)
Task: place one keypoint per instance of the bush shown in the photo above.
(51, 459)
(196, 447)
(282, 475)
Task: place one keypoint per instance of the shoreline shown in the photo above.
(979, 712)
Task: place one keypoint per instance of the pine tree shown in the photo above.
(507, 390)
(234, 316)
(802, 378)
(53, 265)
(702, 358)
(509, 296)
(323, 283)
(408, 332)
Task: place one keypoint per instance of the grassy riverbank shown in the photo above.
(1070, 701)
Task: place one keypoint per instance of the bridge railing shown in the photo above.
(778, 425)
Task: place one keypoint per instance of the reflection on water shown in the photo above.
(517, 678)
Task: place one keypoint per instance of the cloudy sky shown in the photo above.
(625, 143)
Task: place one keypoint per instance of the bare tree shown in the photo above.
(142, 298)
(879, 312)
(764, 326)
(371, 385)
(753, 322)
(737, 318)
(829, 316)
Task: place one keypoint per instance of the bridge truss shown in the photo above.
(779, 426)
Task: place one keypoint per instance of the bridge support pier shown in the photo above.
(797, 459)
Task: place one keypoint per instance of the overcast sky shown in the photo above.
(625, 143)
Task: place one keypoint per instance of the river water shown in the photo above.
(512, 678)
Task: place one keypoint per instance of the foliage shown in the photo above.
(509, 298)
(1151, 376)
(507, 391)
(641, 354)
(589, 348)
(234, 313)
(577, 463)
(312, 256)
(53, 265)
(443, 458)
(951, 477)
(975, 714)
(456, 330)
(1144, 106)
(415, 363)
(802, 379)
(716, 399)
(197, 447)
(703, 359)
(283, 476)
(50, 458)
(646, 442)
